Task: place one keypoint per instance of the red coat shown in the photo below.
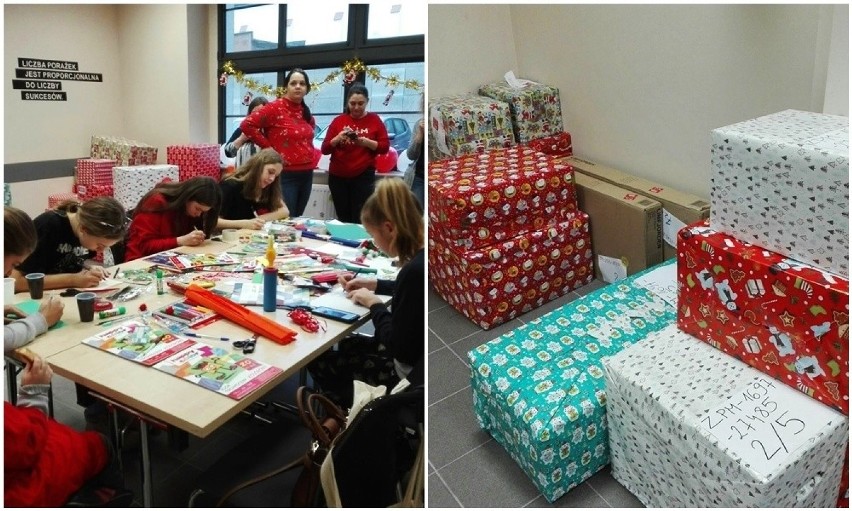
(280, 125)
(45, 462)
(350, 160)
(152, 232)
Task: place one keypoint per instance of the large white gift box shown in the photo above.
(690, 426)
(131, 183)
(781, 182)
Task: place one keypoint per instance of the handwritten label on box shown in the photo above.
(765, 422)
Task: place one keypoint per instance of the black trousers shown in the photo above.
(350, 193)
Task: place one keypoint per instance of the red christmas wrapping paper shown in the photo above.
(56, 199)
(194, 160)
(477, 199)
(94, 171)
(555, 145)
(785, 318)
(86, 192)
(495, 284)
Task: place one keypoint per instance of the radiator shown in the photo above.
(320, 206)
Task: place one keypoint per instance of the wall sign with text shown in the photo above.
(40, 80)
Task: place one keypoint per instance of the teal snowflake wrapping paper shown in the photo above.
(539, 389)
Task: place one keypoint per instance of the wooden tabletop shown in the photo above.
(164, 397)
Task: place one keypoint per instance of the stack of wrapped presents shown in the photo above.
(194, 160)
(505, 234)
(93, 178)
(764, 282)
(539, 389)
(124, 152)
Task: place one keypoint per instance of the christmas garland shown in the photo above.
(349, 71)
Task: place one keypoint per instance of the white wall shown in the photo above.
(642, 85)
(837, 79)
(467, 46)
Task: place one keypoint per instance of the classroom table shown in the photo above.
(161, 399)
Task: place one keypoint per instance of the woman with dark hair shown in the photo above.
(287, 126)
(19, 241)
(67, 236)
(173, 215)
(393, 218)
(353, 140)
(239, 146)
(252, 196)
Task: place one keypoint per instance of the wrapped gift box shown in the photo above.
(475, 200)
(124, 152)
(195, 160)
(539, 389)
(94, 171)
(86, 192)
(468, 123)
(782, 182)
(7, 195)
(556, 145)
(131, 183)
(692, 427)
(782, 317)
(494, 284)
(56, 199)
(536, 111)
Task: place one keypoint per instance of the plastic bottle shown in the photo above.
(116, 311)
(270, 291)
(160, 289)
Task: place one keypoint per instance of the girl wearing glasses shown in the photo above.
(67, 236)
(252, 195)
(173, 215)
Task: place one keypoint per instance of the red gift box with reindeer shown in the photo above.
(476, 200)
(785, 318)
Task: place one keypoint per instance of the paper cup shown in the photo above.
(229, 235)
(35, 281)
(8, 290)
(86, 306)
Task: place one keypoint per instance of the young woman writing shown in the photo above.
(353, 140)
(67, 236)
(396, 351)
(252, 196)
(287, 126)
(19, 241)
(173, 215)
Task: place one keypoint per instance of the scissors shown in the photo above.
(247, 345)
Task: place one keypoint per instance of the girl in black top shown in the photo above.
(67, 236)
(252, 195)
(392, 217)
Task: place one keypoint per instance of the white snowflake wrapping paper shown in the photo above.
(781, 182)
(131, 183)
(660, 393)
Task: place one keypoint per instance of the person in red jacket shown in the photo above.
(353, 140)
(287, 126)
(172, 215)
(46, 463)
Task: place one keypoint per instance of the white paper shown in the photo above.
(765, 422)
(516, 83)
(105, 284)
(662, 282)
(336, 299)
(612, 269)
(671, 225)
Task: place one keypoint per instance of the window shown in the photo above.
(265, 41)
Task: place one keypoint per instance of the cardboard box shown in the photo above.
(785, 318)
(781, 181)
(692, 427)
(627, 234)
(539, 389)
(499, 282)
(679, 208)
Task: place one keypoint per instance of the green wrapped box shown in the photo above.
(539, 389)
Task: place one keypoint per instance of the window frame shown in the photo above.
(373, 52)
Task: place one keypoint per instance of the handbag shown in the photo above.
(325, 420)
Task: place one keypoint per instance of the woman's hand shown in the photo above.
(365, 297)
(36, 373)
(51, 309)
(419, 130)
(87, 278)
(254, 224)
(351, 283)
(192, 239)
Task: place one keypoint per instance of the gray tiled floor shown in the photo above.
(467, 468)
